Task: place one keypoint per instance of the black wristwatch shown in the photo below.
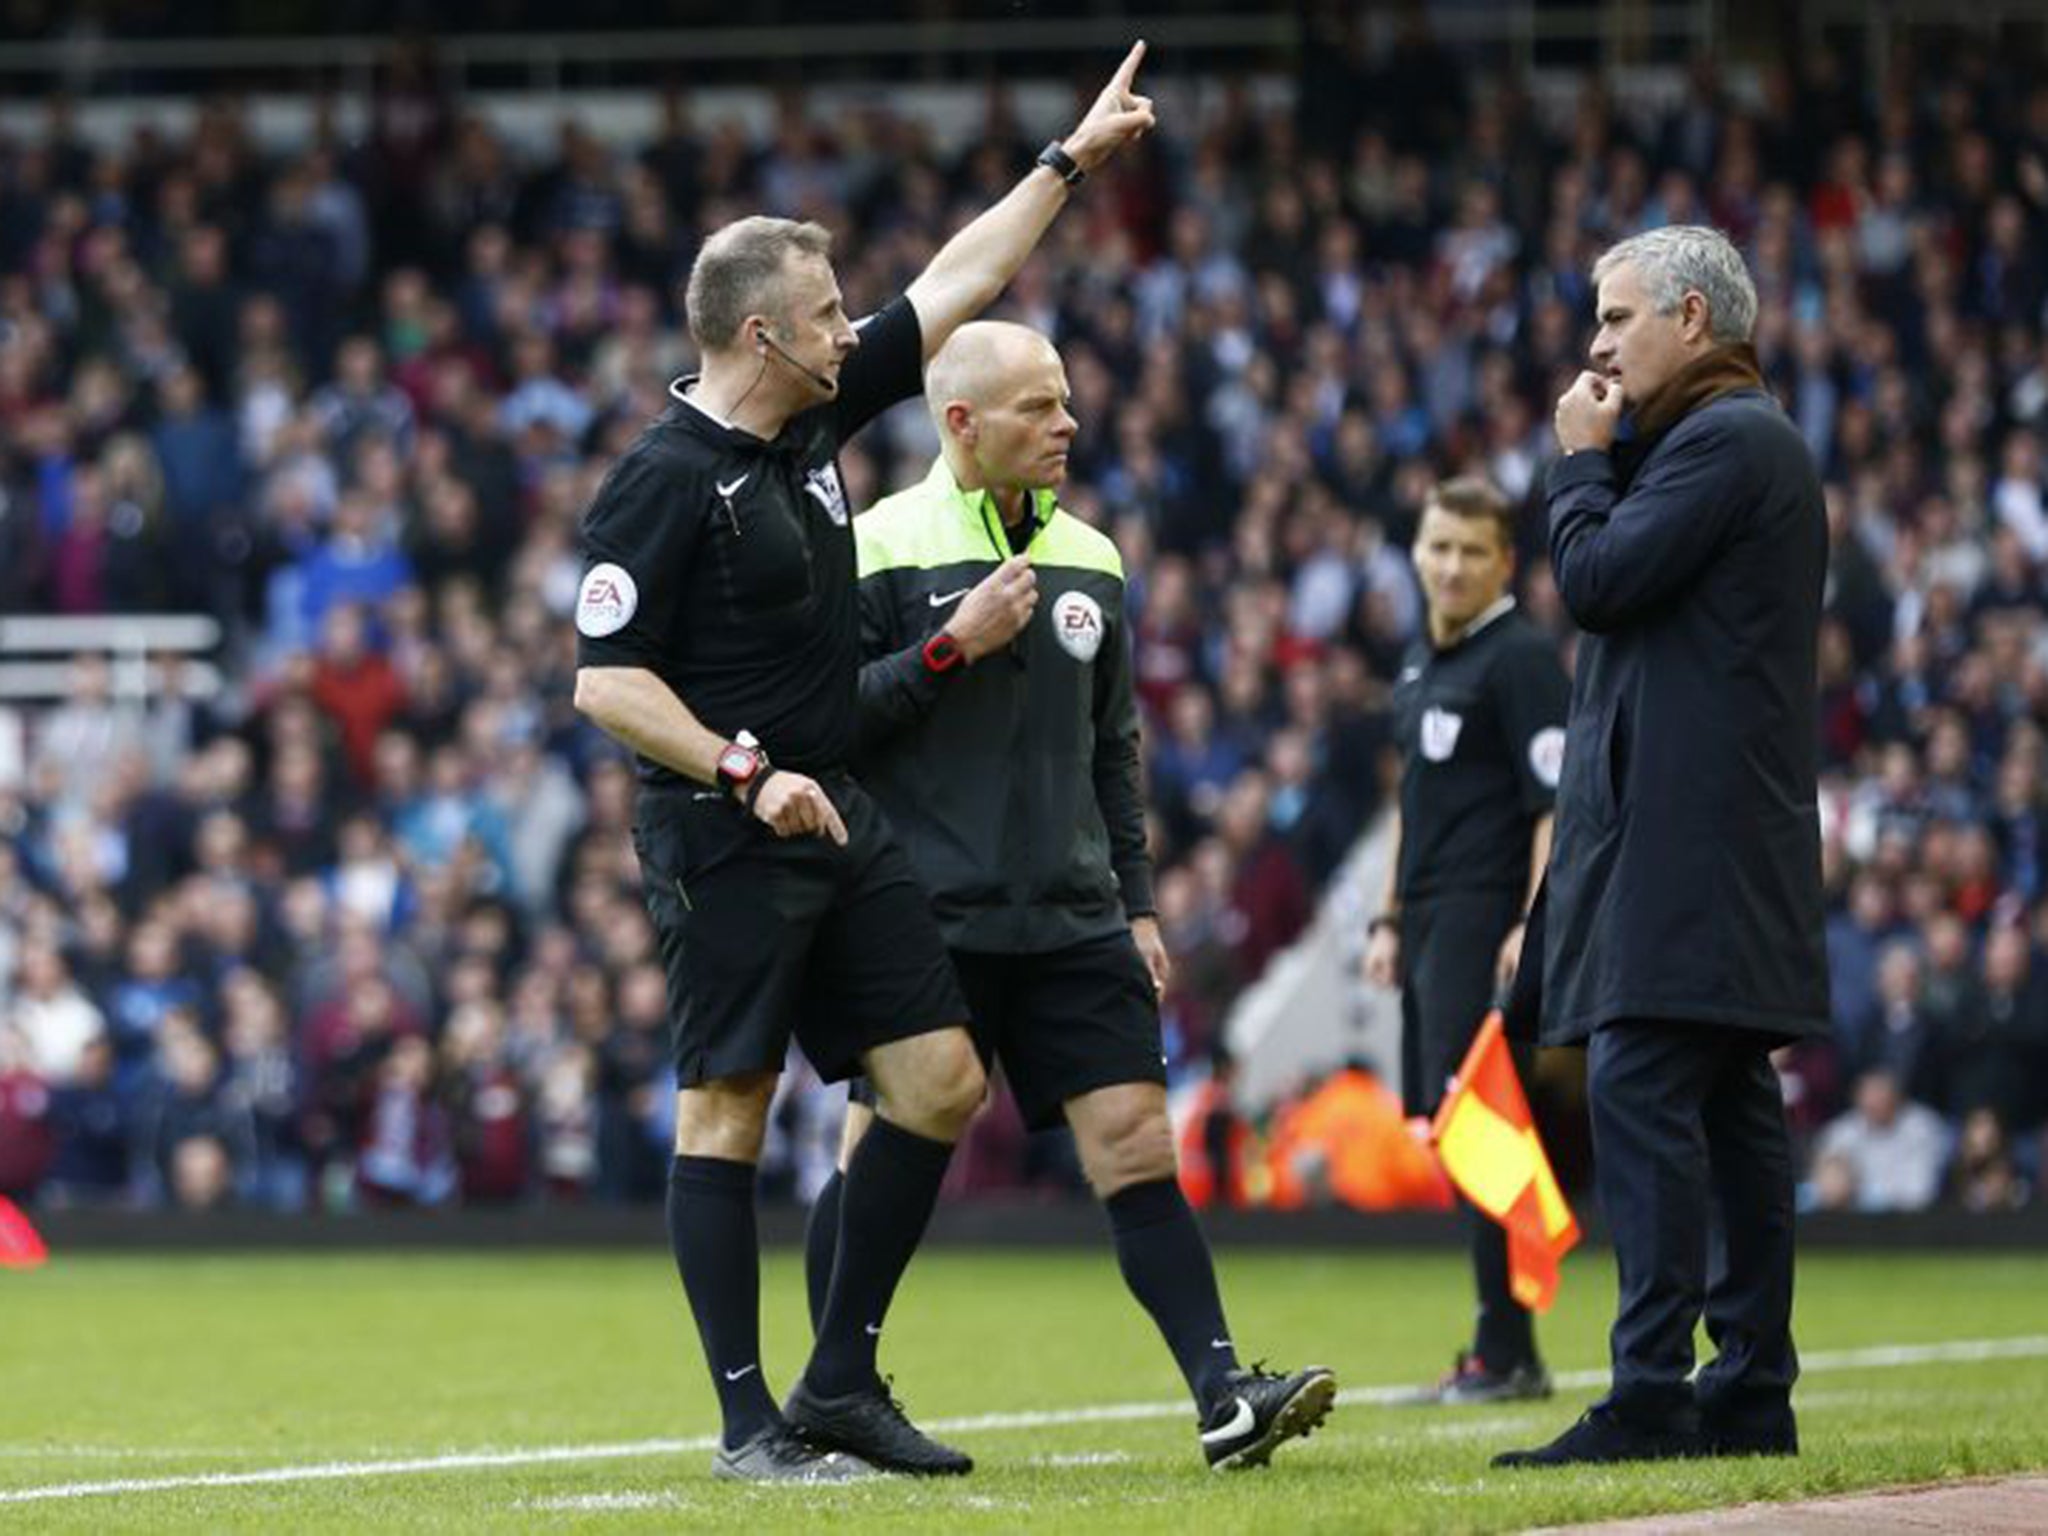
(1063, 165)
(741, 765)
(942, 654)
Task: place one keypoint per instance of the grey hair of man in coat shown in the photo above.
(1689, 258)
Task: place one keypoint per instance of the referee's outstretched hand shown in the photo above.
(996, 611)
(1118, 116)
(794, 805)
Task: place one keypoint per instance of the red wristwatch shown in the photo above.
(741, 763)
(942, 653)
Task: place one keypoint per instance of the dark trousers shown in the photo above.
(1448, 946)
(1694, 1172)
(1503, 1330)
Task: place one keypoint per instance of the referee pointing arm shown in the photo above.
(717, 637)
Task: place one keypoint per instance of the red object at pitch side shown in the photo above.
(21, 1245)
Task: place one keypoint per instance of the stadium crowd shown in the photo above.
(364, 927)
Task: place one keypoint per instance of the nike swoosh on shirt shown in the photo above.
(940, 599)
(727, 491)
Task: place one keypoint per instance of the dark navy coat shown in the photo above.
(1684, 880)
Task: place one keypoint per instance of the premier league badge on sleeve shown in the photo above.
(824, 487)
(1546, 755)
(1440, 730)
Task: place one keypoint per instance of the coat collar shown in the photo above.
(1706, 378)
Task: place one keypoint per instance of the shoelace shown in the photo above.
(885, 1389)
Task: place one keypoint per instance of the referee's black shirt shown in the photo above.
(724, 564)
(1481, 730)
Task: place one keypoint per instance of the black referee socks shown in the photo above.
(821, 1242)
(1167, 1266)
(718, 1254)
(884, 1206)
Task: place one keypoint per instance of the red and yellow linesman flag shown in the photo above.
(1487, 1139)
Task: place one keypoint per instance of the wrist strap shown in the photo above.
(753, 790)
(1055, 158)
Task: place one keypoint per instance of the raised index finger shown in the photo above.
(1128, 70)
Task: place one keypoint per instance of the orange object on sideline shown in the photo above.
(1202, 1182)
(1348, 1139)
(21, 1245)
(1487, 1139)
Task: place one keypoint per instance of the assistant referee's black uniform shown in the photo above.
(1480, 725)
(724, 564)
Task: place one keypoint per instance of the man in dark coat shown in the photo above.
(1682, 923)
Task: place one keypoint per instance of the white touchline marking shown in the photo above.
(1873, 1357)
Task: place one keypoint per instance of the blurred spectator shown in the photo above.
(1985, 1176)
(406, 1155)
(56, 1022)
(355, 687)
(183, 1102)
(90, 1121)
(1269, 899)
(27, 1138)
(1886, 1154)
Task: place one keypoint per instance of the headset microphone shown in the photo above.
(829, 385)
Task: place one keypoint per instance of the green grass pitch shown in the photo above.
(581, 1371)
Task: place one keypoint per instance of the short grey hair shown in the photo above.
(738, 271)
(1689, 258)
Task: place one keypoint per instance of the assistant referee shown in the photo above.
(1479, 711)
(718, 638)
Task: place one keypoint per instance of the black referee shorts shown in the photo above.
(1449, 944)
(1060, 1024)
(764, 937)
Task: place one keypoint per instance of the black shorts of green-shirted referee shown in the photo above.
(1479, 710)
(999, 735)
(718, 638)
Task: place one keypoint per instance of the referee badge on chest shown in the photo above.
(1440, 730)
(823, 485)
(1077, 625)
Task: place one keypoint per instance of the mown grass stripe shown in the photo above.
(1874, 1357)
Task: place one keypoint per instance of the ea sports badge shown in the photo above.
(606, 600)
(1077, 625)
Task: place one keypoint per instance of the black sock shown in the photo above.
(711, 1228)
(1504, 1333)
(884, 1204)
(1166, 1264)
(821, 1242)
